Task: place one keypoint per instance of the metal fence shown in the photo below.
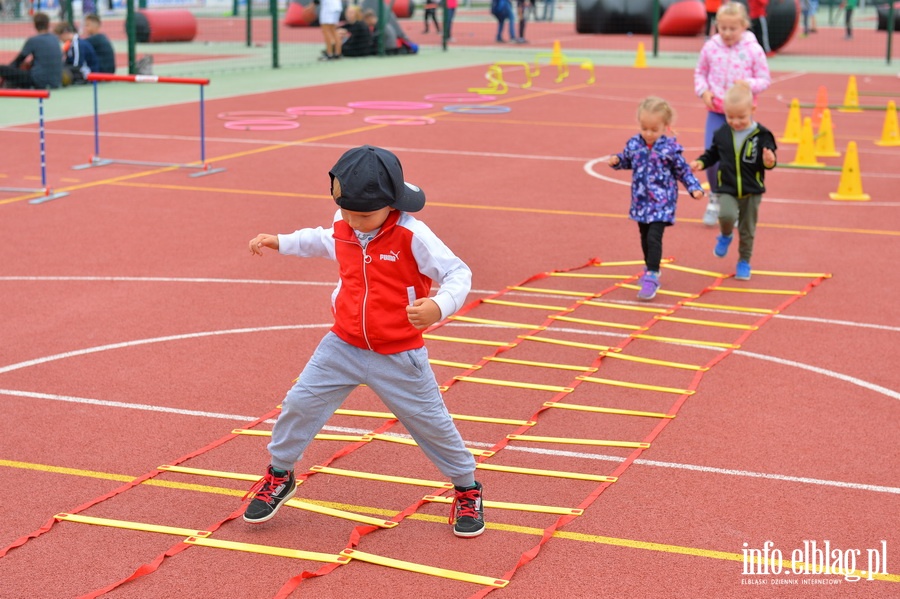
(232, 35)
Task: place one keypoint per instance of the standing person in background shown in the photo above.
(730, 56)
(39, 63)
(522, 14)
(808, 10)
(711, 7)
(758, 10)
(548, 11)
(848, 6)
(329, 17)
(106, 56)
(502, 11)
(448, 19)
(431, 11)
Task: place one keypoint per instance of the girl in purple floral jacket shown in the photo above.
(657, 166)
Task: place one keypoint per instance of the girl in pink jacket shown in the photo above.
(730, 56)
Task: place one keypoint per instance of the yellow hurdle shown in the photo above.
(497, 86)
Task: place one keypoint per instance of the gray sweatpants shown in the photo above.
(745, 210)
(404, 382)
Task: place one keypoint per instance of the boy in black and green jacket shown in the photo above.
(745, 150)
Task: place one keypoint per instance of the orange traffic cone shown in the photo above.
(793, 126)
(850, 186)
(890, 133)
(821, 105)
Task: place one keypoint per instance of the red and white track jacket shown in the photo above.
(377, 282)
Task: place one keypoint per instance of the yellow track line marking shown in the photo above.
(122, 181)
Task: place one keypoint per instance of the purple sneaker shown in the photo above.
(649, 285)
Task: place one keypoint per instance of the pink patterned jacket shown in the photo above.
(719, 66)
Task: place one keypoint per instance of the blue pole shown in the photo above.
(203, 130)
(96, 124)
(43, 150)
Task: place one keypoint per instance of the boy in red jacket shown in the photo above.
(387, 261)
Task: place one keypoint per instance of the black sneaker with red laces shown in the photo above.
(268, 494)
(467, 512)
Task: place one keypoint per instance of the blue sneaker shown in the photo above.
(649, 285)
(742, 272)
(722, 244)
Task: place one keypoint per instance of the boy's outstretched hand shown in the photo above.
(263, 240)
(696, 165)
(768, 158)
(423, 313)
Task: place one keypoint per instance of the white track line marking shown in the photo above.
(552, 452)
(590, 164)
(113, 346)
(124, 344)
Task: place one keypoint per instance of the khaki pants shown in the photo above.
(745, 211)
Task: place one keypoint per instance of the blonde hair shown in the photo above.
(739, 93)
(734, 9)
(655, 105)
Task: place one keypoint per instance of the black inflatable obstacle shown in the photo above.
(636, 16)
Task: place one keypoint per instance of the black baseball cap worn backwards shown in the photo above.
(372, 178)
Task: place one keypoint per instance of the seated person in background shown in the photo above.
(356, 37)
(39, 64)
(79, 58)
(106, 56)
(390, 34)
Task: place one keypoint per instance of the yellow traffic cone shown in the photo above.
(825, 137)
(851, 97)
(793, 126)
(850, 186)
(556, 57)
(806, 151)
(890, 133)
(640, 61)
